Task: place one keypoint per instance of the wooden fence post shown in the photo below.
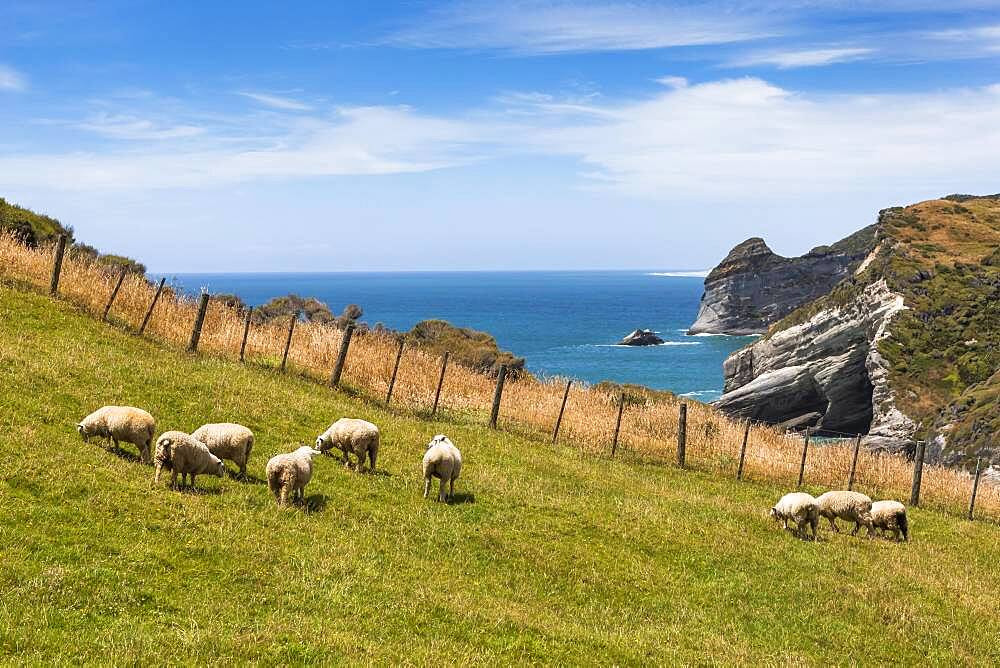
(562, 409)
(805, 451)
(437, 395)
(338, 367)
(246, 333)
(497, 396)
(682, 435)
(57, 265)
(395, 370)
(288, 340)
(618, 424)
(854, 463)
(152, 305)
(114, 293)
(743, 451)
(918, 473)
(975, 487)
(199, 322)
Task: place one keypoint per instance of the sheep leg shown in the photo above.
(361, 461)
(833, 524)
(451, 488)
(442, 493)
(427, 487)
(283, 496)
(192, 481)
(857, 527)
(173, 479)
(156, 475)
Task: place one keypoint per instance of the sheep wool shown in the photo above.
(121, 423)
(352, 436)
(443, 461)
(184, 455)
(848, 506)
(890, 516)
(227, 440)
(799, 507)
(289, 473)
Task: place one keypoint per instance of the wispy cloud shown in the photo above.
(11, 79)
(137, 129)
(277, 102)
(544, 28)
(789, 59)
(739, 139)
(978, 38)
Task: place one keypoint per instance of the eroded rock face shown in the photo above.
(641, 337)
(753, 287)
(828, 365)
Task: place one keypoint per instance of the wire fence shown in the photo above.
(595, 422)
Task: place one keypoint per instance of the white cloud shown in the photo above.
(544, 28)
(11, 79)
(277, 102)
(980, 38)
(746, 138)
(729, 140)
(137, 129)
(355, 141)
(802, 58)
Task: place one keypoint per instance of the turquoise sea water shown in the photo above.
(563, 322)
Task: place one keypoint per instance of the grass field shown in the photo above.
(545, 557)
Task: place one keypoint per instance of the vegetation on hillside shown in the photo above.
(943, 256)
(473, 349)
(546, 556)
(33, 229)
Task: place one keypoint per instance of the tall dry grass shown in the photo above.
(648, 430)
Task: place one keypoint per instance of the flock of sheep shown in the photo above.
(202, 451)
(805, 510)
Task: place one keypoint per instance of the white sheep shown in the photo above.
(800, 508)
(288, 473)
(121, 423)
(890, 516)
(350, 435)
(183, 454)
(849, 506)
(227, 440)
(442, 460)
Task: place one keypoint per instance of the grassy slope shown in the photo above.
(549, 558)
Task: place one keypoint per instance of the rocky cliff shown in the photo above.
(905, 347)
(753, 287)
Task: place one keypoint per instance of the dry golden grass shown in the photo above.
(648, 430)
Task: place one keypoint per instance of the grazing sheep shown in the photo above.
(442, 460)
(350, 435)
(184, 454)
(288, 473)
(121, 423)
(800, 508)
(890, 516)
(849, 506)
(227, 441)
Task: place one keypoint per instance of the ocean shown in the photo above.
(563, 323)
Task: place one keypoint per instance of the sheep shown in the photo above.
(289, 473)
(121, 423)
(227, 441)
(850, 506)
(350, 435)
(890, 516)
(799, 507)
(186, 455)
(442, 460)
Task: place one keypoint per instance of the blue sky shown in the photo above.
(480, 135)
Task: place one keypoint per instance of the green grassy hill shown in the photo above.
(546, 557)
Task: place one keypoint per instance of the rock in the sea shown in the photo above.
(641, 337)
(753, 287)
